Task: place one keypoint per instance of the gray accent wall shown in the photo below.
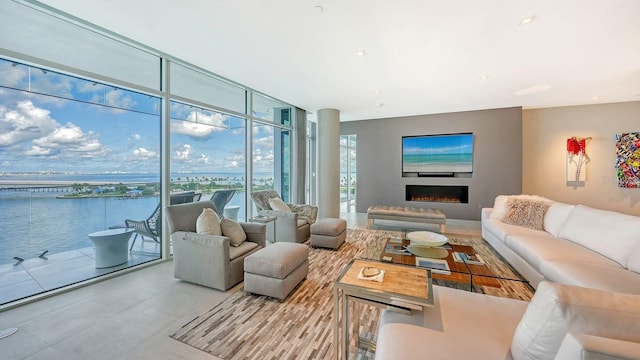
(497, 162)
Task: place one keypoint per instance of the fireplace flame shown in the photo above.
(435, 198)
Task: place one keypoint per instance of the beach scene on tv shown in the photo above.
(437, 154)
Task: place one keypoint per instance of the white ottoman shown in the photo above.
(328, 233)
(276, 270)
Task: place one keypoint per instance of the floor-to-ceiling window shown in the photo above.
(271, 146)
(348, 173)
(85, 139)
(208, 154)
(76, 156)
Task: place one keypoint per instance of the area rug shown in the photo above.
(247, 326)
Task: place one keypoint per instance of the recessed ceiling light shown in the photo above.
(361, 53)
(527, 20)
(379, 105)
(317, 9)
(595, 97)
(380, 91)
(484, 77)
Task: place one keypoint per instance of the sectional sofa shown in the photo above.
(585, 264)
(564, 243)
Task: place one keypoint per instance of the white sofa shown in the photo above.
(560, 322)
(576, 245)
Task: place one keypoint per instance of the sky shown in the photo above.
(447, 144)
(111, 129)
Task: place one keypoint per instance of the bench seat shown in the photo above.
(404, 213)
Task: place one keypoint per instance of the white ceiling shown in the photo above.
(421, 56)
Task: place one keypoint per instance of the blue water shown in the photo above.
(31, 221)
(437, 159)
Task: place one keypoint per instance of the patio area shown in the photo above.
(36, 275)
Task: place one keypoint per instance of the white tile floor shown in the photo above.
(126, 317)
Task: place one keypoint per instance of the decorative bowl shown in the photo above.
(427, 239)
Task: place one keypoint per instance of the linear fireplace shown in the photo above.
(438, 193)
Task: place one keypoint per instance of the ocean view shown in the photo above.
(33, 221)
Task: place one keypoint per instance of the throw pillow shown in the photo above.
(208, 223)
(233, 231)
(526, 213)
(500, 204)
(279, 205)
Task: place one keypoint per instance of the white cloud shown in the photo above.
(265, 141)
(144, 154)
(25, 122)
(203, 160)
(136, 137)
(39, 151)
(193, 130)
(69, 139)
(183, 152)
(13, 76)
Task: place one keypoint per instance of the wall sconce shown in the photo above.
(576, 158)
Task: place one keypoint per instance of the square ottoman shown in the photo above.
(328, 233)
(276, 270)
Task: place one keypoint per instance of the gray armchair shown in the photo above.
(209, 260)
(294, 226)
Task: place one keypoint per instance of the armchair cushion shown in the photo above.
(261, 198)
(208, 223)
(233, 231)
(279, 205)
(556, 310)
(305, 212)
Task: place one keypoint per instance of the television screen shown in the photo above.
(437, 154)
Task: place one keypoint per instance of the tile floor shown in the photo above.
(127, 317)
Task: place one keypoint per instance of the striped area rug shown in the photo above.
(257, 327)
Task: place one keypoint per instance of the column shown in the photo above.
(328, 175)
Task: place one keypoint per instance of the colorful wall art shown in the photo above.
(577, 158)
(628, 163)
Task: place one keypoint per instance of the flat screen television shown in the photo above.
(433, 155)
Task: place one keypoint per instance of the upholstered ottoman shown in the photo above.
(276, 270)
(328, 233)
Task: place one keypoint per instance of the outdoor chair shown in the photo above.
(221, 198)
(149, 227)
(291, 226)
(209, 260)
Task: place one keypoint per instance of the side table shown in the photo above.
(111, 246)
(403, 289)
(264, 219)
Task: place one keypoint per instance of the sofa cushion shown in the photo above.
(208, 223)
(535, 248)
(525, 212)
(242, 249)
(233, 231)
(502, 230)
(556, 310)
(597, 275)
(556, 216)
(609, 233)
